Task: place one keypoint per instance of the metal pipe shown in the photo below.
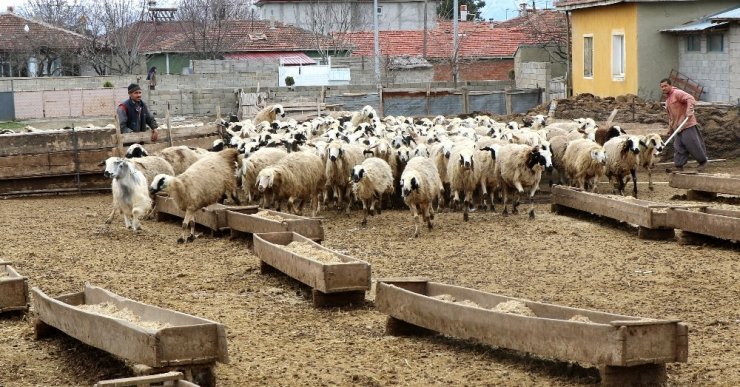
(376, 52)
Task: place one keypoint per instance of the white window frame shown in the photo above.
(588, 36)
(618, 56)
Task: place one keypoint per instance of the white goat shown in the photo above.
(130, 195)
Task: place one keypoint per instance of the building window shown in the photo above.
(715, 42)
(588, 56)
(618, 57)
(693, 43)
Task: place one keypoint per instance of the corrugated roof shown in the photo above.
(694, 27)
(287, 58)
(714, 20)
(732, 14)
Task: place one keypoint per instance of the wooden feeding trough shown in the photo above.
(174, 379)
(335, 279)
(705, 186)
(717, 223)
(212, 217)
(266, 221)
(629, 350)
(13, 289)
(651, 224)
(154, 337)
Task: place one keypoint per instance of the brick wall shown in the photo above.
(493, 69)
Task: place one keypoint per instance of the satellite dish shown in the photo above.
(25, 28)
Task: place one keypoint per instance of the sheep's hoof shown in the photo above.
(430, 226)
(416, 235)
(514, 211)
(109, 221)
(363, 223)
(191, 238)
(465, 216)
(651, 188)
(377, 211)
(505, 213)
(531, 214)
(431, 216)
(180, 240)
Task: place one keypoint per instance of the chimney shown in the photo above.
(463, 12)
(10, 9)
(272, 20)
(522, 7)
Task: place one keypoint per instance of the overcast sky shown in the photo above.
(494, 9)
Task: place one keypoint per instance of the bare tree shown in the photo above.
(117, 32)
(60, 13)
(329, 23)
(206, 24)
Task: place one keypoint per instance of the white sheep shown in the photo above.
(296, 177)
(520, 167)
(420, 186)
(130, 194)
(485, 161)
(558, 145)
(370, 181)
(341, 158)
(650, 146)
(202, 184)
(269, 114)
(251, 167)
(181, 157)
(367, 114)
(622, 158)
(463, 176)
(583, 163)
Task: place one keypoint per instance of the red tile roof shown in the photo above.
(14, 37)
(239, 36)
(575, 4)
(477, 40)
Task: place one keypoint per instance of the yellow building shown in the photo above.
(617, 47)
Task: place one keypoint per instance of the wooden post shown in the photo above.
(507, 97)
(381, 108)
(466, 99)
(119, 139)
(218, 113)
(551, 112)
(429, 92)
(169, 127)
(611, 118)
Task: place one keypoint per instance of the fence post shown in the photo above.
(169, 127)
(380, 101)
(507, 98)
(466, 99)
(429, 91)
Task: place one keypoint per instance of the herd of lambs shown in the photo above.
(349, 157)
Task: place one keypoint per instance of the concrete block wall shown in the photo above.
(709, 69)
(230, 66)
(734, 51)
(532, 75)
(67, 103)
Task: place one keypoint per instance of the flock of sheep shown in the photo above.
(349, 157)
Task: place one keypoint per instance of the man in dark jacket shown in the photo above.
(134, 115)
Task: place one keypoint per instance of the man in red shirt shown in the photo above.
(688, 141)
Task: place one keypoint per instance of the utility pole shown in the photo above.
(424, 50)
(455, 17)
(377, 44)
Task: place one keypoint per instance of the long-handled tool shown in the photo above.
(675, 132)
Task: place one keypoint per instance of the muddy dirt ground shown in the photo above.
(275, 336)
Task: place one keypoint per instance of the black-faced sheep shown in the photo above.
(269, 114)
(130, 194)
(622, 158)
(202, 184)
(420, 186)
(519, 167)
(367, 114)
(650, 146)
(296, 177)
(584, 162)
(370, 181)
